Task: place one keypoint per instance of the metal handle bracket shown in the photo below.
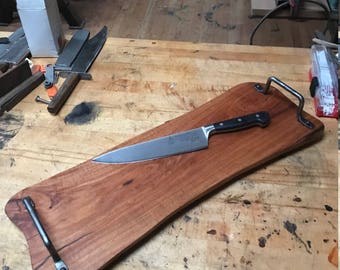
(286, 87)
(29, 205)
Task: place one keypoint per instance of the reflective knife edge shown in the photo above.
(182, 142)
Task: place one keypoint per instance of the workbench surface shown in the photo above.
(282, 216)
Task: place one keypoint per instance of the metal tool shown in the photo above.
(89, 52)
(66, 58)
(299, 115)
(58, 263)
(72, 49)
(4, 40)
(50, 76)
(41, 100)
(78, 70)
(183, 142)
(16, 50)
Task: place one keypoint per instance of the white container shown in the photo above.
(41, 22)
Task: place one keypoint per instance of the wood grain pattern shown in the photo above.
(94, 212)
(226, 21)
(140, 84)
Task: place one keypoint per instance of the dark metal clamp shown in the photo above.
(286, 87)
(29, 205)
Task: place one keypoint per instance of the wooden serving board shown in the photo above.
(95, 212)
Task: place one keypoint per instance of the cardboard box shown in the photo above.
(41, 22)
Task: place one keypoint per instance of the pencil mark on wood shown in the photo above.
(333, 226)
(12, 162)
(286, 172)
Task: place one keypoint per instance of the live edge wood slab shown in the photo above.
(95, 212)
(140, 84)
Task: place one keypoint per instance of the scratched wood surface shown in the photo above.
(226, 21)
(283, 215)
(114, 206)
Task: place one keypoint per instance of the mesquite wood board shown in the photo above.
(95, 212)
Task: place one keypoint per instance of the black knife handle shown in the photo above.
(261, 119)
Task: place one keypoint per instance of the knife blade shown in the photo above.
(182, 142)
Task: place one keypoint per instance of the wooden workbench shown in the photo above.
(139, 84)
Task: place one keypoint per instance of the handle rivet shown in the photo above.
(239, 119)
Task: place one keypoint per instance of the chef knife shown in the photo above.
(180, 143)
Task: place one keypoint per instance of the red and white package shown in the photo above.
(324, 86)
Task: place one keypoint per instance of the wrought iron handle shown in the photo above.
(29, 205)
(286, 87)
